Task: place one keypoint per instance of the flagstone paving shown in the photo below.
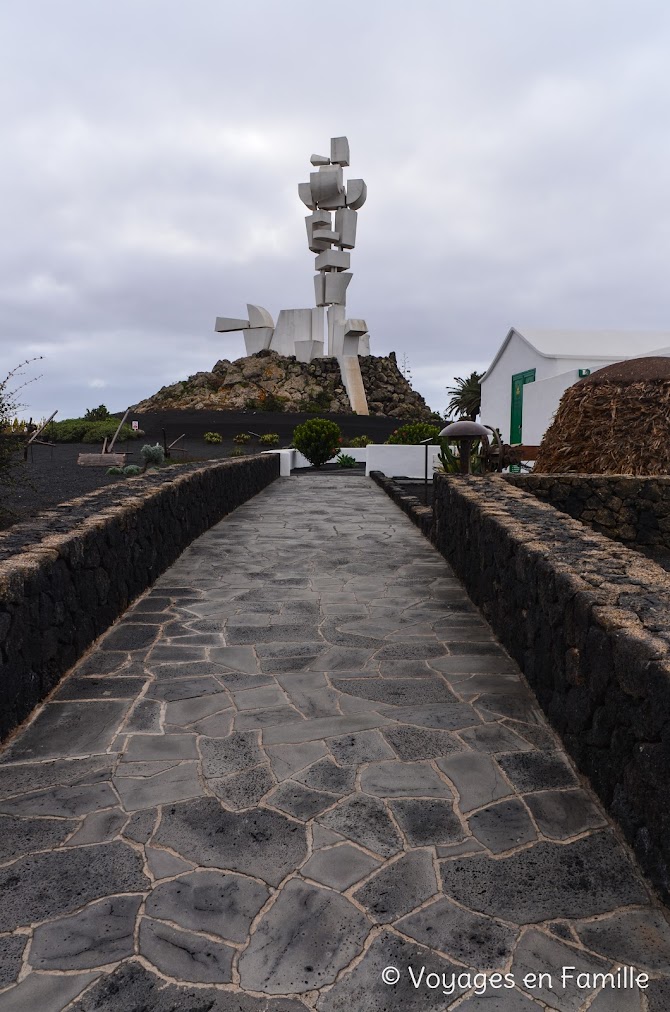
(300, 759)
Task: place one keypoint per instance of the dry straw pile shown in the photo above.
(616, 421)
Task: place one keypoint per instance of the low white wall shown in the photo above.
(394, 461)
(540, 403)
(397, 461)
(291, 458)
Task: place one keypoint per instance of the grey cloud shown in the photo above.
(516, 157)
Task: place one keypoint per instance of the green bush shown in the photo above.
(114, 470)
(152, 455)
(237, 451)
(213, 437)
(269, 439)
(99, 414)
(242, 438)
(360, 441)
(317, 439)
(414, 433)
(79, 430)
(131, 469)
(345, 460)
(320, 402)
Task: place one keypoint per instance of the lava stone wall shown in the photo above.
(419, 514)
(635, 511)
(588, 621)
(67, 575)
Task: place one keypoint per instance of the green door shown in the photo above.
(518, 383)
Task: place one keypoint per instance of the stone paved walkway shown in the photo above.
(300, 759)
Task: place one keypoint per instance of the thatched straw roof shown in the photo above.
(615, 421)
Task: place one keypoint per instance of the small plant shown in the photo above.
(450, 462)
(269, 439)
(114, 470)
(317, 439)
(265, 402)
(242, 438)
(237, 451)
(99, 414)
(345, 460)
(360, 441)
(131, 469)
(213, 437)
(154, 456)
(414, 433)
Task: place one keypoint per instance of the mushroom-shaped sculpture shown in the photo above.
(465, 432)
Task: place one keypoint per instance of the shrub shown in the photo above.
(213, 437)
(114, 470)
(265, 402)
(360, 441)
(317, 440)
(99, 414)
(345, 460)
(79, 430)
(131, 469)
(237, 451)
(153, 455)
(269, 439)
(242, 438)
(414, 433)
(320, 402)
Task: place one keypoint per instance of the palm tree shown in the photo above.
(466, 396)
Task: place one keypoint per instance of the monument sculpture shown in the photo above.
(322, 331)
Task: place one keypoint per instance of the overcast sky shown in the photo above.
(517, 157)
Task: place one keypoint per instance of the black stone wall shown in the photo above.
(588, 621)
(634, 511)
(66, 576)
(419, 514)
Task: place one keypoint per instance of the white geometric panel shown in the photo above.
(345, 224)
(357, 193)
(292, 325)
(327, 184)
(305, 194)
(326, 235)
(350, 344)
(320, 160)
(259, 317)
(339, 150)
(336, 288)
(318, 323)
(306, 351)
(355, 328)
(320, 289)
(257, 339)
(224, 324)
(335, 259)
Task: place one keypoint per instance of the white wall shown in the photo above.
(540, 403)
(397, 461)
(497, 387)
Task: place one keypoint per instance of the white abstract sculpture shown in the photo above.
(300, 332)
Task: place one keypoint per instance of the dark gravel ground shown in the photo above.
(51, 475)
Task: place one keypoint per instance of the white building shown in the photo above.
(522, 387)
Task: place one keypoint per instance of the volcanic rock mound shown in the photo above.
(271, 382)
